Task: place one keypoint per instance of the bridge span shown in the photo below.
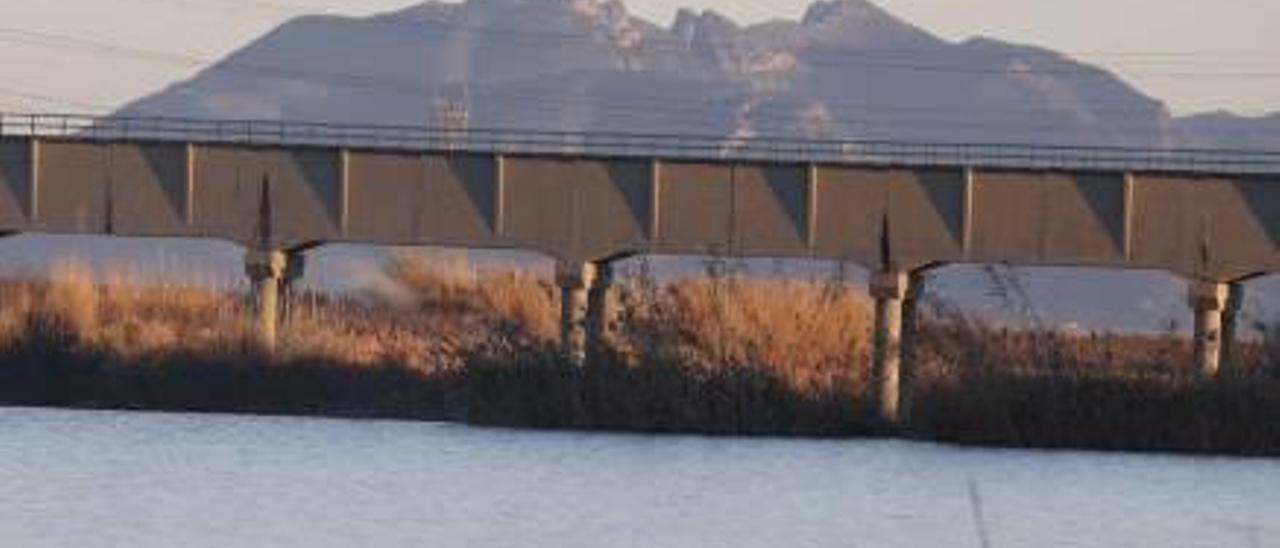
(586, 200)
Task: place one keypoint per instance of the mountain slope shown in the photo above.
(846, 70)
(1229, 130)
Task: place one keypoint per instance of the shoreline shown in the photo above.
(1194, 417)
(673, 434)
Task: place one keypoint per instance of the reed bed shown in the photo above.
(723, 355)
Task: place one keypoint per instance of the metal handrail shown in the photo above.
(513, 141)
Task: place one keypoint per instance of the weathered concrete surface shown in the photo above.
(577, 209)
(602, 310)
(1219, 228)
(266, 270)
(404, 198)
(290, 197)
(770, 210)
(1048, 218)
(72, 190)
(1207, 301)
(15, 184)
(295, 268)
(889, 289)
(148, 190)
(584, 209)
(575, 281)
(695, 210)
(1231, 360)
(921, 214)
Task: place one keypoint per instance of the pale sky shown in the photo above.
(1194, 54)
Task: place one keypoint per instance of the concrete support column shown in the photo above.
(907, 344)
(574, 279)
(602, 310)
(265, 269)
(1208, 301)
(889, 289)
(295, 267)
(1231, 359)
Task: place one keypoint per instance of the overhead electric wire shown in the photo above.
(295, 9)
(701, 123)
(683, 113)
(838, 57)
(28, 95)
(44, 39)
(648, 108)
(881, 137)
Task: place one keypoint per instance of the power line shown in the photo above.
(695, 118)
(43, 39)
(699, 118)
(417, 89)
(701, 124)
(861, 58)
(27, 95)
(295, 8)
(649, 108)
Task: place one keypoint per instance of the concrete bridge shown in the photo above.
(586, 200)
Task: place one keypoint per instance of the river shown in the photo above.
(90, 479)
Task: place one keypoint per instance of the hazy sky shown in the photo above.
(1195, 54)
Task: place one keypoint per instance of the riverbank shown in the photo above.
(719, 356)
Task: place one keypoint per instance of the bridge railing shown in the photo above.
(419, 138)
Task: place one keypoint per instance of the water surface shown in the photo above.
(89, 479)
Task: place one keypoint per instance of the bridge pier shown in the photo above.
(907, 345)
(1208, 300)
(574, 281)
(892, 291)
(265, 269)
(588, 309)
(602, 310)
(295, 267)
(1231, 358)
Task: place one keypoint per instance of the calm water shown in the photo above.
(98, 479)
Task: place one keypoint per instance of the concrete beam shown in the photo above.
(1208, 300)
(1215, 226)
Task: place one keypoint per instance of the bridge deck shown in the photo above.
(579, 197)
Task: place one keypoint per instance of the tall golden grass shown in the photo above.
(811, 332)
(118, 313)
(724, 354)
(808, 331)
(449, 283)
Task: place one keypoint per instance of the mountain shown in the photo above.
(847, 70)
(1224, 129)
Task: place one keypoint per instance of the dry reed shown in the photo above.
(725, 354)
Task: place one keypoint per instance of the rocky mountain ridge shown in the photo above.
(847, 70)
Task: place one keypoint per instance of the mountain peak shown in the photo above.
(706, 26)
(705, 72)
(432, 10)
(857, 23)
(827, 12)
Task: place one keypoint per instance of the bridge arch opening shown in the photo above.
(1151, 308)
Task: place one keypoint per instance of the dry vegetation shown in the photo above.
(716, 355)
